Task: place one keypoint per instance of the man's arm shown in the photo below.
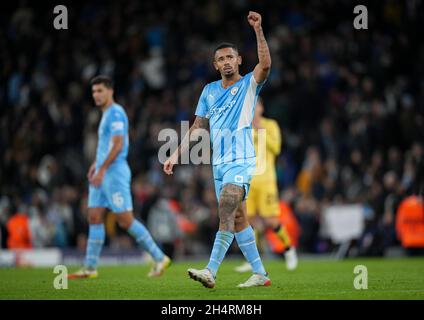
(263, 68)
(117, 144)
(199, 123)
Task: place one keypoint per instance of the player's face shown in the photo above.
(101, 94)
(227, 61)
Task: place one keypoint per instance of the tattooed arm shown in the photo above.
(199, 123)
(263, 68)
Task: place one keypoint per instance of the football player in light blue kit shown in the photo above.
(110, 185)
(227, 107)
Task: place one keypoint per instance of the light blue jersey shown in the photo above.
(230, 112)
(114, 122)
(114, 192)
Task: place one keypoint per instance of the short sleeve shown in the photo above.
(117, 123)
(257, 86)
(202, 107)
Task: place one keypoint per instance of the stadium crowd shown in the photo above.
(350, 104)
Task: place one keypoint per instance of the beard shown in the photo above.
(228, 74)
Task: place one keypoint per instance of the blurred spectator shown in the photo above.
(410, 224)
(19, 233)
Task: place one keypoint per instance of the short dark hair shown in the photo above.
(102, 79)
(224, 45)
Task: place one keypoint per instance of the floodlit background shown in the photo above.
(350, 104)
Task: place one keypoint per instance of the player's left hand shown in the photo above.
(98, 178)
(254, 19)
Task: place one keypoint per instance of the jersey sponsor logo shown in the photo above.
(234, 91)
(118, 125)
(220, 110)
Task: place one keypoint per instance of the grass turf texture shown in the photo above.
(314, 279)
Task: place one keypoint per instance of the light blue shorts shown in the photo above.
(114, 192)
(237, 173)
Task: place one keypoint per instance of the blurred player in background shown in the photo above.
(110, 180)
(227, 106)
(263, 202)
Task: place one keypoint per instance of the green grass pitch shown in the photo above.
(401, 278)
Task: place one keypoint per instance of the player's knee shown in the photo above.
(226, 220)
(124, 221)
(240, 223)
(124, 224)
(95, 217)
(227, 210)
(239, 220)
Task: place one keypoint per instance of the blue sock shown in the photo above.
(143, 237)
(96, 238)
(247, 244)
(223, 240)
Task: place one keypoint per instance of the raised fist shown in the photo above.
(254, 19)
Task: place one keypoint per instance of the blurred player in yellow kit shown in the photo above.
(263, 201)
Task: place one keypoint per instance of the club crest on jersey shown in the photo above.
(234, 91)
